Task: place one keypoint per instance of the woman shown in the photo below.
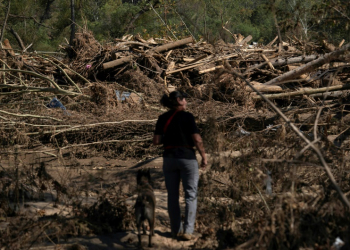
(178, 132)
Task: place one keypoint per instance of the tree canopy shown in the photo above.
(46, 23)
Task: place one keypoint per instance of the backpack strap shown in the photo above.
(168, 121)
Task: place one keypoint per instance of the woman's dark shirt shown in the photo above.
(177, 140)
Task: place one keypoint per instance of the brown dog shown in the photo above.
(145, 204)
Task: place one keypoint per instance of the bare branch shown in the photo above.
(29, 115)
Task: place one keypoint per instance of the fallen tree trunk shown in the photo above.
(305, 92)
(264, 88)
(327, 58)
(173, 45)
(118, 62)
(158, 49)
(284, 61)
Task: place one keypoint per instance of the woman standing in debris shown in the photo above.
(178, 132)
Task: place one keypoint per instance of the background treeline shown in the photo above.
(46, 23)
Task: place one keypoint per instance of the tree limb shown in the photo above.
(18, 38)
(29, 115)
(26, 89)
(69, 79)
(31, 73)
(305, 92)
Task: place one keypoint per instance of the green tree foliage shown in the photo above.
(46, 23)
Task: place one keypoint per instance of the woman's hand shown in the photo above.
(204, 163)
(157, 139)
(198, 142)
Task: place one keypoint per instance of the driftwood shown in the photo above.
(173, 45)
(327, 58)
(283, 62)
(305, 92)
(117, 62)
(264, 88)
(158, 49)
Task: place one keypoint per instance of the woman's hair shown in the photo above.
(171, 100)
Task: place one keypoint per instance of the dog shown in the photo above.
(145, 204)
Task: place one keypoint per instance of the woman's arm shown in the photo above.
(198, 142)
(157, 139)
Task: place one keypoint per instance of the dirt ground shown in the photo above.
(106, 172)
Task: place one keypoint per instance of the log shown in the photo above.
(305, 92)
(263, 88)
(304, 76)
(173, 45)
(284, 61)
(117, 62)
(158, 49)
(328, 95)
(327, 58)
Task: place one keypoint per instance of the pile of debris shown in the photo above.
(295, 70)
(104, 100)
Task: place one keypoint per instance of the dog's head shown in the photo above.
(143, 176)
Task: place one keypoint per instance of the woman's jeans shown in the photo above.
(186, 170)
